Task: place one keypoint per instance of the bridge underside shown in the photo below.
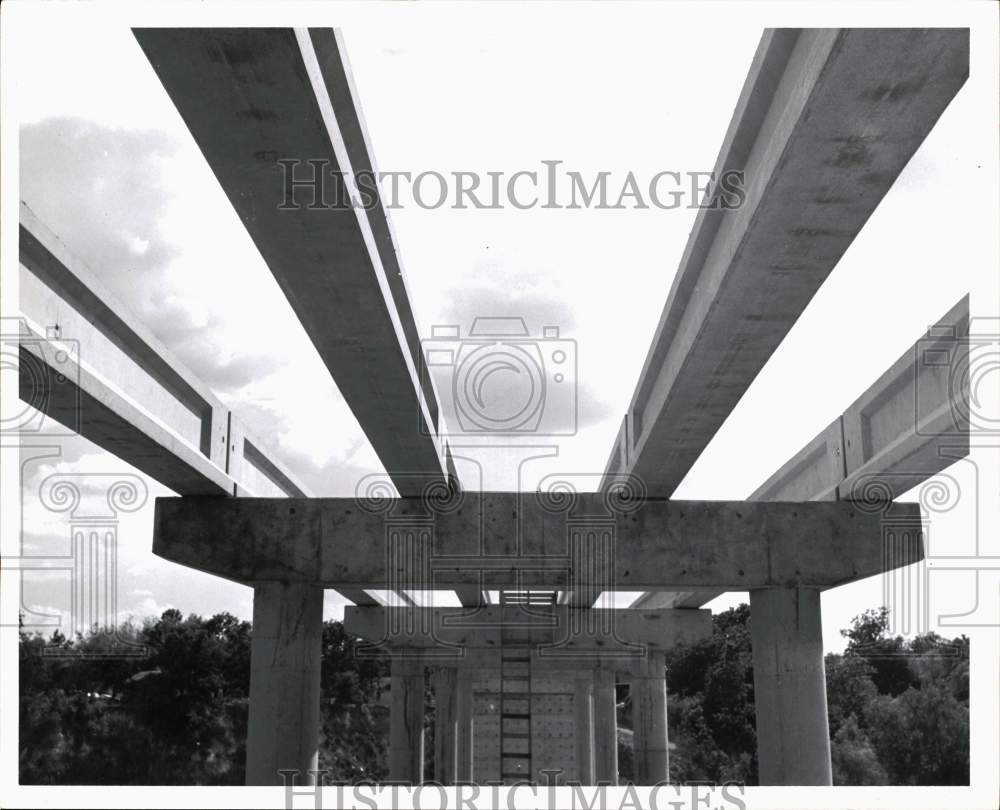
(827, 120)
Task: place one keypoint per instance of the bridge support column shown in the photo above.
(583, 709)
(793, 733)
(605, 728)
(463, 712)
(445, 725)
(406, 721)
(285, 654)
(649, 720)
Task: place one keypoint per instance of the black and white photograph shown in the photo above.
(553, 405)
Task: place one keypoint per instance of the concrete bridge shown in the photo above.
(826, 121)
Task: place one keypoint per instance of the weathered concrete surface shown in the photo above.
(254, 96)
(445, 683)
(651, 755)
(793, 734)
(555, 632)
(77, 288)
(283, 723)
(583, 709)
(71, 394)
(285, 657)
(464, 722)
(827, 120)
(914, 421)
(605, 728)
(662, 544)
(909, 425)
(83, 398)
(470, 596)
(406, 721)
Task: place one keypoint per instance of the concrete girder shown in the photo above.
(251, 97)
(908, 426)
(826, 122)
(82, 398)
(77, 287)
(556, 632)
(475, 659)
(517, 539)
(51, 380)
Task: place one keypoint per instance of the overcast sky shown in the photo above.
(107, 164)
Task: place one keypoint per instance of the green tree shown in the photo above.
(850, 690)
(94, 712)
(868, 638)
(922, 737)
(355, 722)
(710, 686)
(177, 714)
(854, 759)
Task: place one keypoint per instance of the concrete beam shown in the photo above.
(913, 422)
(252, 97)
(826, 122)
(546, 660)
(81, 398)
(555, 632)
(45, 256)
(684, 545)
(908, 426)
(56, 384)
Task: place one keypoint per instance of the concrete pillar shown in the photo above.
(406, 721)
(285, 653)
(793, 733)
(445, 726)
(583, 709)
(464, 722)
(649, 720)
(605, 728)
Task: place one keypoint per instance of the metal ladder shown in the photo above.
(515, 691)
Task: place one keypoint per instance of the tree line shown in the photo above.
(166, 702)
